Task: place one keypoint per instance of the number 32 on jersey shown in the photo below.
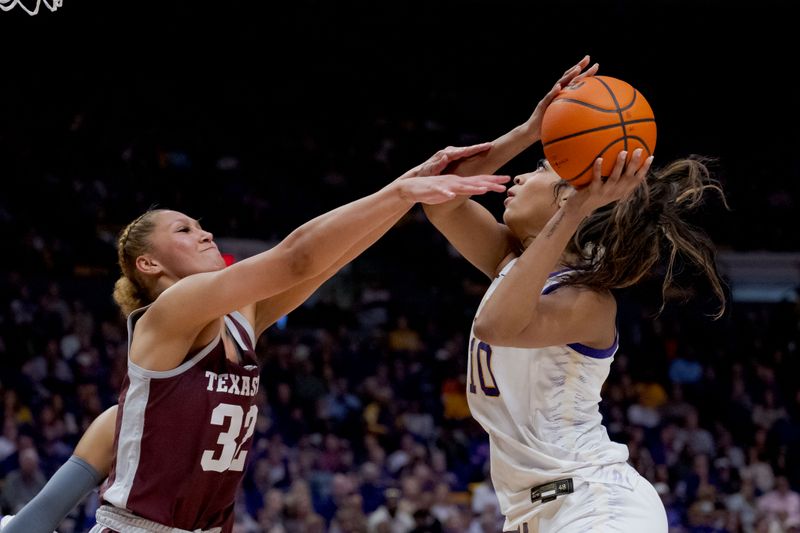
(232, 456)
(480, 363)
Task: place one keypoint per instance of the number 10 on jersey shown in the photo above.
(480, 362)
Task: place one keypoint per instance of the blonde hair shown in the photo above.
(130, 293)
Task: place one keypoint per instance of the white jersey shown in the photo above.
(540, 409)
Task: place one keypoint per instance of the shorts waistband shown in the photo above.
(127, 522)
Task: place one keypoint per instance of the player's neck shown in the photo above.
(565, 259)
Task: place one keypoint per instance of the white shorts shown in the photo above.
(602, 508)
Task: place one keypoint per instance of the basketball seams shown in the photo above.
(594, 130)
(604, 150)
(643, 143)
(584, 104)
(593, 100)
(633, 101)
(619, 111)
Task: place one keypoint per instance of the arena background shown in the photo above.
(259, 116)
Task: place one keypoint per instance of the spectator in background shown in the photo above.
(8, 440)
(425, 522)
(759, 470)
(645, 411)
(484, 499)
(48, 371)
(15, 410)
(781, 505)
(372, 487)
(389, 517)
(339, 405)
(420, 424)
(676, 408)
(697, 439)
(402, 338)
(685, 371)
(270, 517)
(443, 508)
(743, 505)
(23, 484)
(767, 412)
(350, 516)
(300, 514)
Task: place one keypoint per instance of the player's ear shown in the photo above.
(147, 264)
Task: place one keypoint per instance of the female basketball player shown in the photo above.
(186, 415)
(544, 335)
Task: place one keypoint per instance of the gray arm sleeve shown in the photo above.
(66, 489)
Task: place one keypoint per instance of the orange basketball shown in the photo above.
(596, 117)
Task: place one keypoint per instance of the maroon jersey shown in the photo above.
(183, 435)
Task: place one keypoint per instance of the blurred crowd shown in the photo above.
(363, 420)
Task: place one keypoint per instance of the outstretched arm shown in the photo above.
(469, 226)
(173, 323)
(79, 476)
(268, 311)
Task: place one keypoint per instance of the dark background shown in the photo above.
(295, 89)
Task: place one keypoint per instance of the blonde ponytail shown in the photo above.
(129, 291)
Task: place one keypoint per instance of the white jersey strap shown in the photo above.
(240, 319)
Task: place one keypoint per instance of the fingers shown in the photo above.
(476, 184)
(550, 96)
(587, 73)
(635, 163)
(597, 171)
(439, 161)
(644, 169)
(580, 65)
(635, 172)
(454, 153)
(619, 166)
(491, 183)
(621, 183)
(571, 73)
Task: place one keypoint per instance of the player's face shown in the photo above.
(531, 201)
(181, 247)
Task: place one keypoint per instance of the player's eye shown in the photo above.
(540, 164)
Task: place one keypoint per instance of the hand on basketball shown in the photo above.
(622, 181)
(434, 190)
(439, 161)
(571, 75)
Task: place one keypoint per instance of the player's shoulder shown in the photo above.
(504, 263)
(587, 296)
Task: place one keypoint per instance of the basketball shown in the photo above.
(597, 117)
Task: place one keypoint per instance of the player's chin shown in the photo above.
(508, 215)
(212, 264)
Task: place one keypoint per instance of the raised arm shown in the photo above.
(469, 226)
(517, 314)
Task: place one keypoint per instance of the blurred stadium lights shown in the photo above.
(761, 276)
